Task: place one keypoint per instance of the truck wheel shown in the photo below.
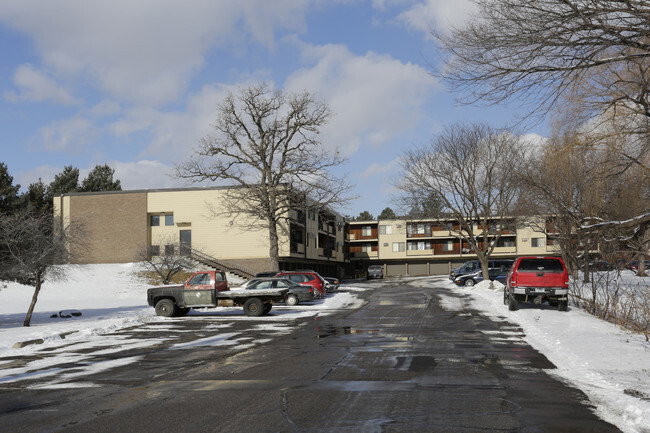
(165, 308)
(562, 305)
(469, 282)
(254, 307)
(513, 305)
(292, 300)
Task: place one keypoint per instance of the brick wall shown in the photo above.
(113, 227)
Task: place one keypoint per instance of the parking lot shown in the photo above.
(397, 361)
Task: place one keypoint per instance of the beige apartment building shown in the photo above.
(433, 247)
(118, 226)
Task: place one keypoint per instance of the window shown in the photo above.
(169, 220)
(385, 230)
(420, 245)
(366, 230)
(398, 246)
(366, 248)
(448, 246)
(154, 250)
(155, 220)
(506, 242)
(536, 242)
(169, 250)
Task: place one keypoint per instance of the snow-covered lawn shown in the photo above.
(610, 365)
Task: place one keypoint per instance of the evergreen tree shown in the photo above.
(36, 200)
(64, 182)
(8, 191)
(387, 214)
(100, 179)
(365, 216)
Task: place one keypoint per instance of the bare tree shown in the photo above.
(266, 145)
(539, 49)
(468, 168)
(166, 262)
(29, 250)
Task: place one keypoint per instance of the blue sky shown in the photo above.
(135, 84)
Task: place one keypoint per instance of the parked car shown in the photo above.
(306, 278)
(469, 267)
(375, 271)
(333, 282)
(537, 280)
(498, 271)
(266, 274)
(634, 265)
(297, 293)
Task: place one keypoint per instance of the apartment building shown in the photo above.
(434, 247)
(118, 226)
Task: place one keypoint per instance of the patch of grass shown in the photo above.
(154, 279)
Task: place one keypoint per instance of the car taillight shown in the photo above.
(513, 279)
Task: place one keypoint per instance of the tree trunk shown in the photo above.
(274, 249)
(484, 259)
(37, 289)
(641, 271)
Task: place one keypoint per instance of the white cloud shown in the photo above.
(437, 14)
(145, 52)
(376, 169)
(373, 97)
(144, 174)
(35, 86)
(69, 135)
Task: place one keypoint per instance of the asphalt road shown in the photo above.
(400, 363)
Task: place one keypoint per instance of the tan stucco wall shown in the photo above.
(212, 233)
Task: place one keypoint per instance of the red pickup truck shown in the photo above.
(537, 280)
(209, 289)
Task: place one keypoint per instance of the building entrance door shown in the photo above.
(186, 242)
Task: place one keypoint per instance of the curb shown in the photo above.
(22, 344)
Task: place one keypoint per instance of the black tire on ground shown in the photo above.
(513, 304)
(562, 305)
(165, 308)
(293, 300)
(469, 282)
(182, 311)
(254, 307)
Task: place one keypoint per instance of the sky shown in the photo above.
(135, 85)
(610, 365)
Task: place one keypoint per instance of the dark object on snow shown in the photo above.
(67, 314)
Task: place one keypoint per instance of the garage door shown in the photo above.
(439, 268)
(395, 269)
(418, 269)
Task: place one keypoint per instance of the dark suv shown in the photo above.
(537, 280)
(497, 270)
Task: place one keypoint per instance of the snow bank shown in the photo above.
(610, 365)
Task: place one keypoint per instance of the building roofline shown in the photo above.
(147, 190)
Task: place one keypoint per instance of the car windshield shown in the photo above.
(537, 265)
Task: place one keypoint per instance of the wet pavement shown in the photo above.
(401, 363)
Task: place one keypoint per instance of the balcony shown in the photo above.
(419, 252)
(297, 248)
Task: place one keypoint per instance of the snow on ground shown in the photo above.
(111, 297)
(610, 365)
